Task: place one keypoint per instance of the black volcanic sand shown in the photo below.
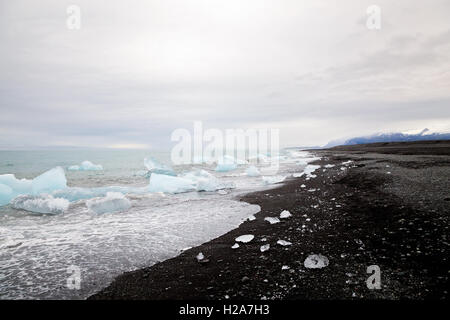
(391, 210)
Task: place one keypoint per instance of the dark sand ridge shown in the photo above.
(389, 207)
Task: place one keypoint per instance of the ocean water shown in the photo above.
(39, 252)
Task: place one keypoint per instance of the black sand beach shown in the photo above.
(389, 207)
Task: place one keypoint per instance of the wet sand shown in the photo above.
(389, 207)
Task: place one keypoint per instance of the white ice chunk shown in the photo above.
(170, 184)
(235, 246)
(329, 165)
(113, 202)
(316, 261)
(273, 179)
(245, 238)
(200, 257)
(309, 169)
(285, 268)
(272, 220)
(252, 171)
(264, 248)
(40, 204)
(154, 166)
(284, 243)
(285, 214)
(204, 181)
(86, 166)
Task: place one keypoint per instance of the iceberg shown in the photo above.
(86, 166)
(46, 204)
(154, 166)
(252, 171)
(170, 184)
(49, 181)
(113, 202)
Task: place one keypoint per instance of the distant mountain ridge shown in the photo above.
(425, 134)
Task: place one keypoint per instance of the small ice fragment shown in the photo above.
(264, 247)
(251, 218)
(272, 220)
(285, 214)
(200, 257)
(388, 172)
(113, 202)
(252, 171)
(302, 186)
(235, 246)
(316, 261)
(343, 168)
(222, 192)
(347, 162)
(284, 243)
(285, 268)
(245, 238)
(298, 174)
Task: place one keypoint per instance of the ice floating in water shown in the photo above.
(264, 248)
(11, 187)
(235, 246)
(204, 181)
(40, 204)
(153, 166)
(316, 261)
(273, 179)
(113, 202)
(245, 238)
(285, 214)
(252, 171)
(86, 166)
(284, 243)
(198, 180)
(271, 220)
(225, 165)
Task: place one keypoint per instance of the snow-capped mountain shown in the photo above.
(425, 134)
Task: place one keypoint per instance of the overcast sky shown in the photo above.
(137, 70)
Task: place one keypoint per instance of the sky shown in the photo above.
(137, 70)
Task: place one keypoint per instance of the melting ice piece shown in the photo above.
(245, 238)
(251, 218)
(113, 202)
(11, 187)
(273, 179)
(284, 243)
(200, 257)
(153, 166)
(316, 261)
(329, 165)
(86, 166)
(285, 268)
(235, 246)
(285, 214)
(264, 248)
(272, 220)
(309, 169)
(252, 171)
(170, 184)
(40, 204)
(204, 181)
(225, 166)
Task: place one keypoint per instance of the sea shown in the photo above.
(75, 253)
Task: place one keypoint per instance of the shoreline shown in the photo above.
(356, 217)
